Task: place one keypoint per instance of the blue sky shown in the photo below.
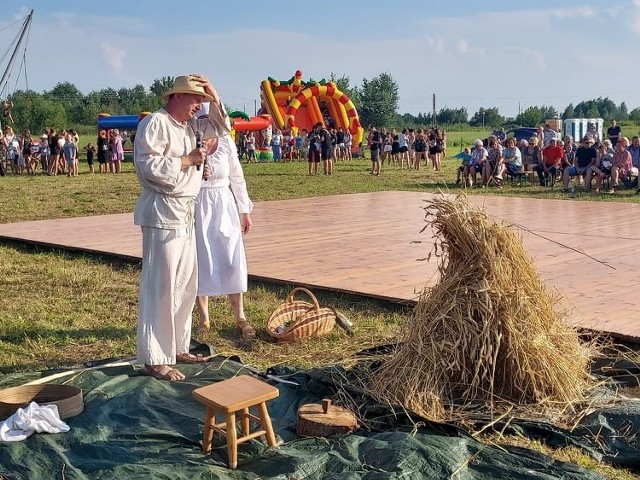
(471, 53)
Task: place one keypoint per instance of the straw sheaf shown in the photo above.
(488, 333)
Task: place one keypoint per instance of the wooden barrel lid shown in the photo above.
(324, 420)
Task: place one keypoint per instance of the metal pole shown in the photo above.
(433, 116)
(26, 23)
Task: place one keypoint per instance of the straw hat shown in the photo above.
(186, 84)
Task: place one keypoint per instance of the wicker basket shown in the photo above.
(295, 319)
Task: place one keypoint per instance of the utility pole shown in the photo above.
(433, 115)
(255, 107)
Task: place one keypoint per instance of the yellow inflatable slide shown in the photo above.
(296, 105)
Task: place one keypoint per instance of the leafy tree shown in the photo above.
(487, 117)
(599, 107)
(47, 114)
(535, 116)
(531, 117)
(65, 92)
(407, 119)
(593, 111)
(623, 112)
(568, 112)
(634, 115)
(378, 100)
(161, 85)
(36, 112)
(549, 112)
(452, 115)
(108, 100)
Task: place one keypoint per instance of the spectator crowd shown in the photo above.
(611, 161)
(57, 152)
(596, 160)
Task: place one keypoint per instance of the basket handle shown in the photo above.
(308, 292)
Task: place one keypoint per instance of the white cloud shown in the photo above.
(463, 47)
(114, 56)
(435, 43)
(572, 13)
(480, 59)
(634, 17)
(531, 57)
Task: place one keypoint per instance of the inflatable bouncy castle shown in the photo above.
(260, 124)
(296, 105)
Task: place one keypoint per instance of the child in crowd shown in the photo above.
(91, 152)
(44, 152)
(465, 159)
(70, 152)
(34, 156)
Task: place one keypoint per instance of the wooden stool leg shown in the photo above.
(246, 422)
(265, 421)
(232, 441)
(207, 436)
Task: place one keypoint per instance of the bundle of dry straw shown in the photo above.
(487, 333)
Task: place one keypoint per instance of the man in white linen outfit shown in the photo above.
(168, 166)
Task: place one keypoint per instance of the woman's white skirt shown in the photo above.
(222, 264)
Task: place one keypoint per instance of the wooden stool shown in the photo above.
(236, 394)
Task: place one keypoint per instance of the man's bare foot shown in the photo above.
(163, 372)
(187, 357)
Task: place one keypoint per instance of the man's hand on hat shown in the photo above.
(205, 83)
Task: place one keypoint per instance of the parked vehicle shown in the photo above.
(521, 133)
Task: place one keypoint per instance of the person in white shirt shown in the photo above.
(223, 216)
(548, 134)
(168, 164)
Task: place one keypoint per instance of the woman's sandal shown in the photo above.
(247, 330)
(204, 327)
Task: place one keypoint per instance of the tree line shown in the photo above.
(376, 99)
(65, 106)
(377, 103)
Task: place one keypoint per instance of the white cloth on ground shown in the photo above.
(32, 419)
(222, 264)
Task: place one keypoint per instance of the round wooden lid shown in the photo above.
(336, 416)
(327, 415)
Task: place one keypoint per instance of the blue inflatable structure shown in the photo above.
(121, 122)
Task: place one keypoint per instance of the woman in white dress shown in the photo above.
(223, 215)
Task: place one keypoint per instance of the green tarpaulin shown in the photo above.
(134, 426)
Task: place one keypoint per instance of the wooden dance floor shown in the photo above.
(371, 244)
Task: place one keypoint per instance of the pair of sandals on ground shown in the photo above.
(166, 372)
